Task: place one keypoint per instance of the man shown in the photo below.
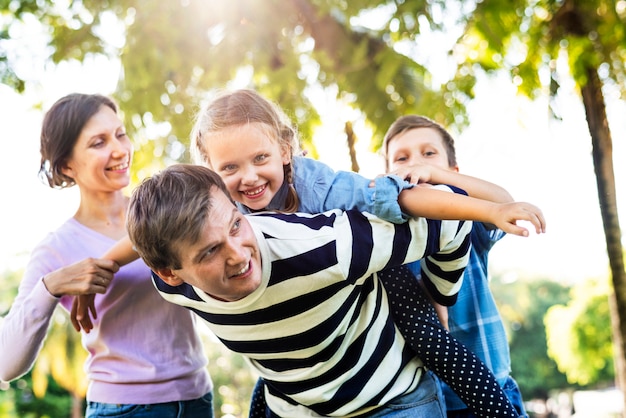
(297, 294)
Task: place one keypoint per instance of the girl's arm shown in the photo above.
(320, 188)
(83, 307)
(122, 252)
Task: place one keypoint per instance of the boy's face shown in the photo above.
(225, 262)
(418, 146)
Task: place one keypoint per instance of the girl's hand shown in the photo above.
(83, 309)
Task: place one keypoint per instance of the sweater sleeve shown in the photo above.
(24, 329)
(442, 271)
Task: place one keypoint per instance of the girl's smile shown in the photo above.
(255, 193)
(250, 161)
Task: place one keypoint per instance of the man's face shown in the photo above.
(225, 262)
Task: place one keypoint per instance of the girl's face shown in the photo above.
(417, 146)
(100, 160)
(250, 161)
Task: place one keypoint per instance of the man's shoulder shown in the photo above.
(282, 221)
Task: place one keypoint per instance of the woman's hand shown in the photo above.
(83, 279)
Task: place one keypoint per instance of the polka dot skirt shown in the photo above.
(448, 358)
(257, 404)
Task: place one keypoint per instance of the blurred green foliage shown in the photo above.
(523, 304)
(579, 334)
(232, 377)
(18, 400)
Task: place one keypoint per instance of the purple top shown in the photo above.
(142, 349)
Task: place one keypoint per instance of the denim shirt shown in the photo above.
(320, 188)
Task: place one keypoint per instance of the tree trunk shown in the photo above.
(602, 152)
(351, 138)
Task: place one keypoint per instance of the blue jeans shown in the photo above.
(511, 390)
(195, 408)
(424, 402)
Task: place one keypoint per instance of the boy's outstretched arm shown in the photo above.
(83, 306)
(473, 186)
(430, 202)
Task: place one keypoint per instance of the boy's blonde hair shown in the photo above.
(408, 122)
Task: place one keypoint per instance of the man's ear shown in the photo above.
(168, 276)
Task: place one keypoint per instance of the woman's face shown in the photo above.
(102, 154)
(249, 161)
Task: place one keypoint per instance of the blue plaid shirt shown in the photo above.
(474, 318)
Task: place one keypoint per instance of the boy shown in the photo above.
(411, 146)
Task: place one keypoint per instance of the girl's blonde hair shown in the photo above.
(239, 107)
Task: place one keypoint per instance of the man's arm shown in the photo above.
(442, 270)
(435, 203)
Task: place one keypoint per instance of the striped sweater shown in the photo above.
(318, 329)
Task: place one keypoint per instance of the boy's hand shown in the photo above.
(416, 173)
(506, 215)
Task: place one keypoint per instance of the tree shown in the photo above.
(531, 37)
(281, 48)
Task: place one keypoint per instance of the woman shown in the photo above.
(145, 357)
